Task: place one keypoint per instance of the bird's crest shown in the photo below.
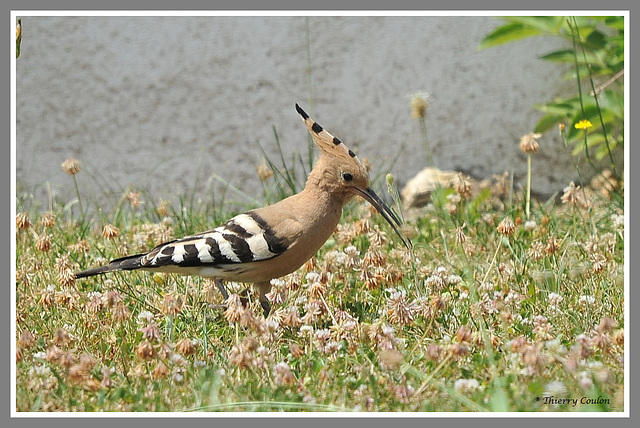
(326, 142)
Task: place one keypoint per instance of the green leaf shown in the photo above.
(499, 401)
(547, 122)
(602, 150)
(577, 149)
(594, 139)
(596, 40)
(612, 100)
(559, 108)
(508, 33)
(536, 387)
(546, 24)
(615, 22)
(563, 55)
(591, 114)
(568, 56)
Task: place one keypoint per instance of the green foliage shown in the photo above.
(596, 53)
(472, 319)
(394, 340)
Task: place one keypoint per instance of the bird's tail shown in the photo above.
(124, 263)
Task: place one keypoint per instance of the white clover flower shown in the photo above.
(145, 317)
(454, 279)
(277, 282)
(586, 300)
(618, 221)
(466, 385)
(312, 277)
(555, 388)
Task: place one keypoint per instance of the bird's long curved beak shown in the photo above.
(370, 196)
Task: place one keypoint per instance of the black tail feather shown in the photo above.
(93, 271)
(124, 263)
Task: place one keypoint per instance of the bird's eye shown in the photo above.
(347, 176)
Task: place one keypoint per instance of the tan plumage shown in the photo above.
(272, 241)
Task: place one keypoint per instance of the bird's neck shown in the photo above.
(322, 187)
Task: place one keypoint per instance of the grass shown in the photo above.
(504, 304)
(490, 312)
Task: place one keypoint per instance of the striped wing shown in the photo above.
(244, 238)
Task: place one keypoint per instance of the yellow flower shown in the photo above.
(583, 124)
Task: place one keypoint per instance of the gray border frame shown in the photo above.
(159, 420)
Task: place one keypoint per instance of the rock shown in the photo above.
(417, 192)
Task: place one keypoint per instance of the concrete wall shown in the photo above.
(162, 104)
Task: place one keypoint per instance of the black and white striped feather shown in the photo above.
(244, 238)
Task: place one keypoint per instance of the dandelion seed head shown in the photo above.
(461, 238)
(536, 251)
(71, 166)
(61, 337)
(462, 187)
(419, 104)
(463, 334)
(171, 305)
(598, 262)
(109, 231)
(150, 331)
(283, 375)
(22, 221)
(134, 199)
(291, 318)
(43, 243)
(120, 312)
(606, 325)
(26, 340)
(506, 227)
(458, 350)
(145, 350)
(264, 171)
(160, 371)
(186, 347)
(529, 143)
(574, 195)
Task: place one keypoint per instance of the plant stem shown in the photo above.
(423, 129)
(75, 183)
(528, 207)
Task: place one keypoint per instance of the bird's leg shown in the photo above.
(223, 291)
(263, 288)
(221, 287)
(244, 296)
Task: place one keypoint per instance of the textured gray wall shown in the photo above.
(163, 103)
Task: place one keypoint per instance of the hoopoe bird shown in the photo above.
(272, 241)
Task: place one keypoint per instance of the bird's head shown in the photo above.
(341, 171)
